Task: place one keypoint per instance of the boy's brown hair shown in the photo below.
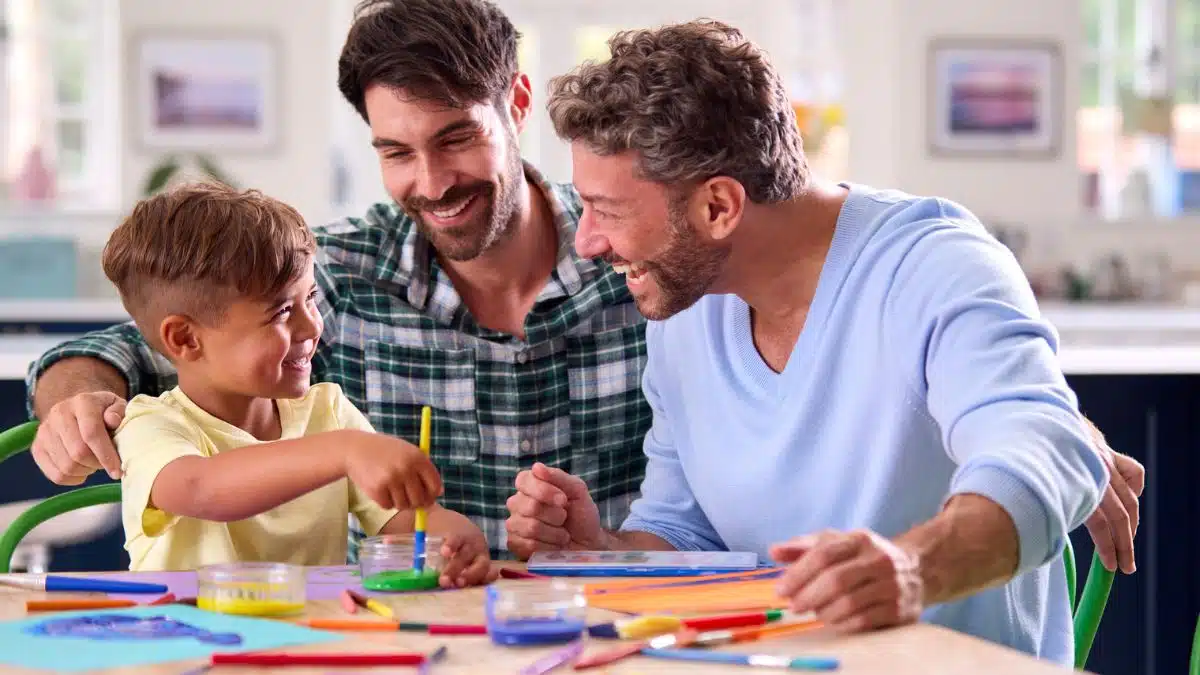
(194, 249)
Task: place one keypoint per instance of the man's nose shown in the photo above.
(433, 179)
(588, 243)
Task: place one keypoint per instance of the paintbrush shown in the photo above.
(437, 656)
(54, 582)
(420, 516)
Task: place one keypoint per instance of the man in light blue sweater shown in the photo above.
(853, 382)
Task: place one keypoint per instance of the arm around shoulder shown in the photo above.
(116, 360)
(963, 316)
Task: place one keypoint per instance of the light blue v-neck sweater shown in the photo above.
(924, 370)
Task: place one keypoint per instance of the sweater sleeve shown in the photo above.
(666, 507)
(962, 312)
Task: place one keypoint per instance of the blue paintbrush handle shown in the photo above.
(80, 584)
(419, 550)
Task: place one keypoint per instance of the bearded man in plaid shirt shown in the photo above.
(465, 294)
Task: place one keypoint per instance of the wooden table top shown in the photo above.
(920, 649)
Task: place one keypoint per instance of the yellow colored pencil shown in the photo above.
(419, 518)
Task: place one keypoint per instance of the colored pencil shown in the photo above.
(420, 517)
(509, 573)
(348, 602)
(630, 585)
(370, 625)
(168, 599)
(315, 659)
(553, 661)
(76, 603)
(452, 629)
(436, 656)
(604, 658)
(371, 605)
(648, 625)
(57, 583)
(351, 624)
(733, 658)
(752, 633)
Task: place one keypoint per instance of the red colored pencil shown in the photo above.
(508, 573)
(456, 629)
(733, 620)
(316, 659)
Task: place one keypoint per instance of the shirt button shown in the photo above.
(525, 445)
(522, 357)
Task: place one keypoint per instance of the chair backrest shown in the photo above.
(1090, 610)
(1195, 669)
(17, 440)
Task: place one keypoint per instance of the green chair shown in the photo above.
(16, 440)
(1195, 669)
(1091, 603)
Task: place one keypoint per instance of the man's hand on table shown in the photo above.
(552, 511)
(852, 581)
(1114, 524)
(74, 440)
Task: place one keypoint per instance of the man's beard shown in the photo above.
(685, 271)
(493, 224)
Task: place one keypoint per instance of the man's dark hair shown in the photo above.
(457, 52)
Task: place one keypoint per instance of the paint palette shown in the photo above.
(252, 589)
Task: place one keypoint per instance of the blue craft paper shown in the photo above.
(19, 648)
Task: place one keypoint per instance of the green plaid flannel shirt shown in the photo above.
(398, 336)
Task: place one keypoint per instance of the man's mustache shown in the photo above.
(453, 196)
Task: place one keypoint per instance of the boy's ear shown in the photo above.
(179, 338)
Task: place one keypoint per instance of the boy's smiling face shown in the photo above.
(261, 348)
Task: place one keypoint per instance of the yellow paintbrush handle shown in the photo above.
(426, 425)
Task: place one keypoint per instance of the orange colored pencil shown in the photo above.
(351, 624)
(66, 604)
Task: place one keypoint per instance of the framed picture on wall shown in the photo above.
(215, 93)
(995, 98)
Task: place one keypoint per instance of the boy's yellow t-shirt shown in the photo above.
(310, 530)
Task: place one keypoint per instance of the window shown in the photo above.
(58, 105)
(803, 48)
(1139, 117)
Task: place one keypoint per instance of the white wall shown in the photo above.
(885, 45)
(297, 171)
(886, 60)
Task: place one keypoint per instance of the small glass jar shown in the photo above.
(535, 613)
(251, 589)
(388, 563)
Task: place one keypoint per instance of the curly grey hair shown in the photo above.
(694, 100)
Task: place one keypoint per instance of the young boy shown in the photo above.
(244, 460)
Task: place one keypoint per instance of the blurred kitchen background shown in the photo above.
(1072, 127)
